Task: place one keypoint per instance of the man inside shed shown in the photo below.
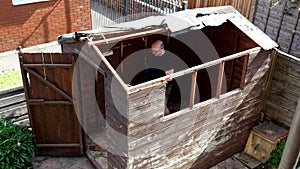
(162, 62)
(154, 63)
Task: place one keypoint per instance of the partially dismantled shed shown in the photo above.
(220, 75)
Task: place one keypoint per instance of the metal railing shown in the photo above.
(106, 12)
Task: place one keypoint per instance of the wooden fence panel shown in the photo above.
(47, 82)
(243, 6)
(284, 89)
(280, 21)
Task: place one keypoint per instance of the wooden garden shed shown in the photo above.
(221, 76)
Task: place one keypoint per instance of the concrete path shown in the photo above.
(9, 60)
(62, 163)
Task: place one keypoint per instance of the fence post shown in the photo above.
(184, 5)
(291, 153)
(126, 9)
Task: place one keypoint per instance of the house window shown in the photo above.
(21, 2)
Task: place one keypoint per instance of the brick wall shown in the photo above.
(36, 23)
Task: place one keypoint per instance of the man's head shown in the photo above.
(158, 48)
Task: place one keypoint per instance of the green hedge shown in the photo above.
(16, 145)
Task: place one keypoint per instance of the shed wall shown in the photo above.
(209, 133)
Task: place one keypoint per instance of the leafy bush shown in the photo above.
(16, 146)
(277, 154)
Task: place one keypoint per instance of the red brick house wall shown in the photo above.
(36, 23)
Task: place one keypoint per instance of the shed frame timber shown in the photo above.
(163, 80)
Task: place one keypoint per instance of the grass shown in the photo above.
(10, 79)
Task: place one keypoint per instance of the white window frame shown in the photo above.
(22, 2)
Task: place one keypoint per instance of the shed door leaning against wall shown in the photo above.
(47, 82)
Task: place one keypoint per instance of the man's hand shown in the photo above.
(168, 72)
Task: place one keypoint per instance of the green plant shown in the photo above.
(16, 145)
(277, 154)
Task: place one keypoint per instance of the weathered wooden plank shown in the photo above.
(285, 89)
(286, 78)
(172, 156)
(191, 136)
(288, 57)
(145, 116)
(43, 102)
(57, 145)
(210, 158)
(146, 103)
(51, 76)
(48, 65)
(67, 74)
(230, 101)
(256, 73)
(259, 61)
(145, 92)
(49, 84)
(283, 102)
(279, 114)
(201, 117)
(288, 64)
(288, 70)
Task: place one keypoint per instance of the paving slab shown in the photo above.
(44, 162)
(230, 163)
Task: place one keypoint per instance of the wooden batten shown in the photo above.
(129, 36)
(190, 70)
(193, 89)
(109, 67)
(220, 78)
